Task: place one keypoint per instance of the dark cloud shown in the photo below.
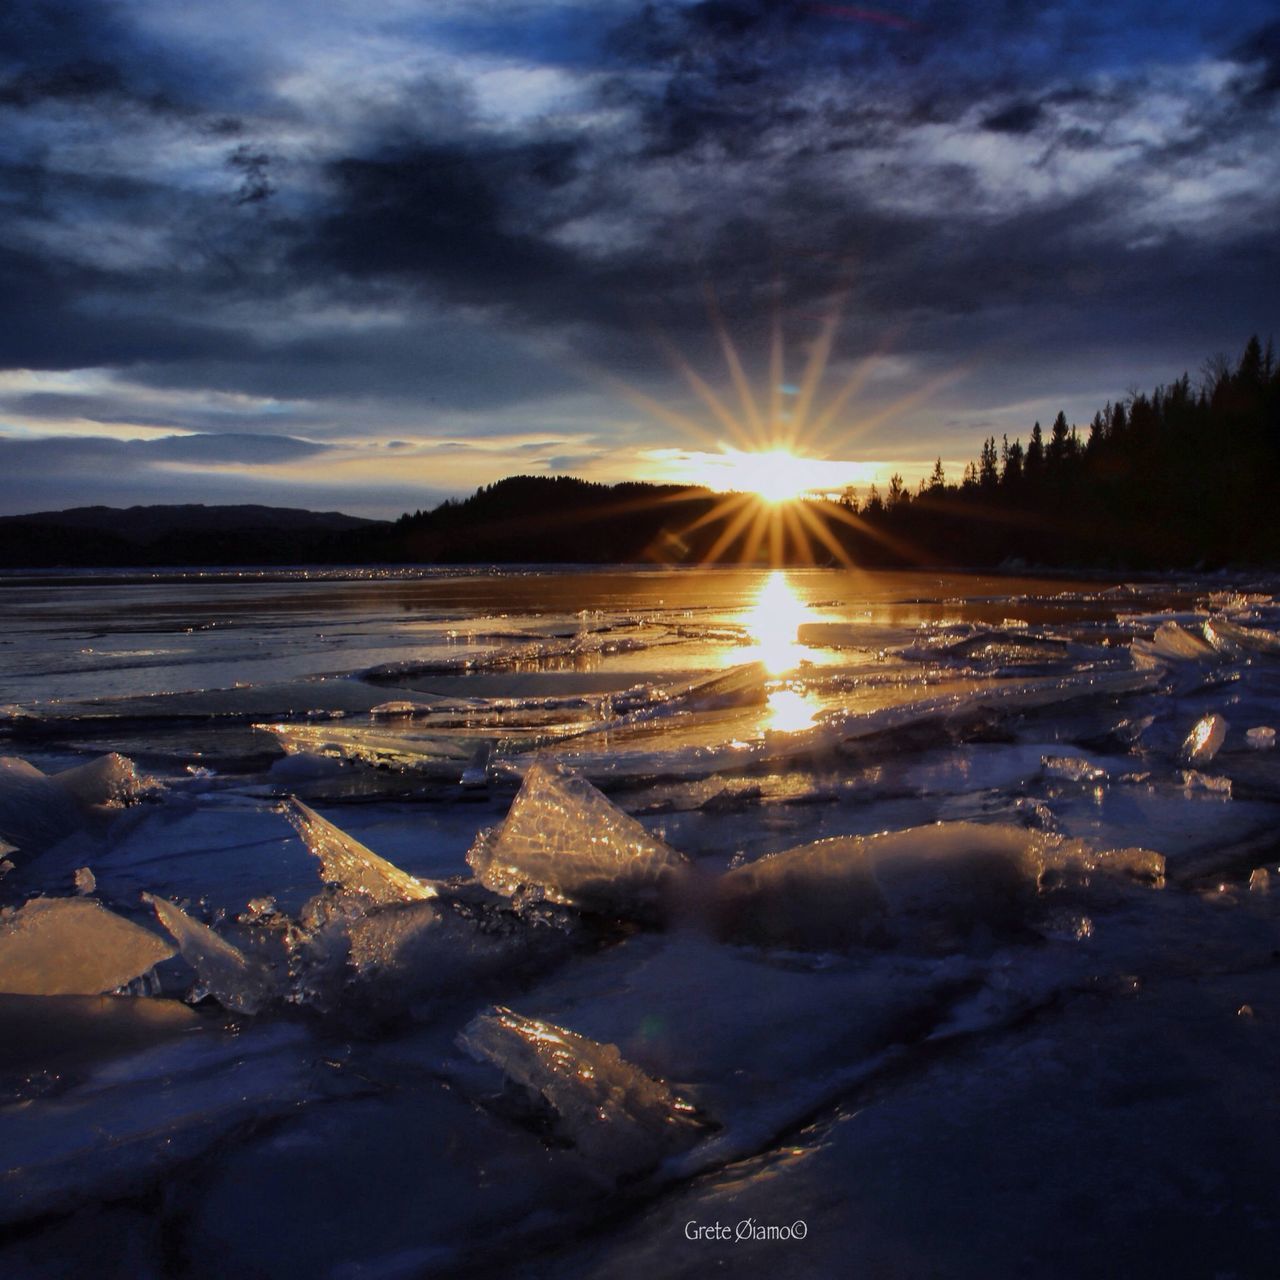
(1260, 52)
(1018, 117)
(456, 215)
(972, 178)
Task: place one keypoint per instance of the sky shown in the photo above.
(363, 256)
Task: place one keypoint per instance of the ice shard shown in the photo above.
(34, 813)
(1205, 740)
(1072, 769)
(1229, 637)
(73, 946)
(111, 780)
(436, 753)
(623, 1121)
(1174, 643)
(855, 890)
(39, 809)
(404, 954)
(231, 977)
(1261, 738)
(344, 861)
(563, 837)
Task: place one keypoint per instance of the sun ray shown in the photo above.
(815, 368)
(731, 530)
(818, 526)
(793, 526)
(750, 408)
(728, 503)
(852, 385)
(777, 369)
(910, 401)
(755, 535)
(704, 391)
(904, 549)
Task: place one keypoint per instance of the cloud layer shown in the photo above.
(283, 240)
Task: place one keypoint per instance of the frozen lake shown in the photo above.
(638, 922)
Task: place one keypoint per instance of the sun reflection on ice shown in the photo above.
(773, 623)
(789, 711)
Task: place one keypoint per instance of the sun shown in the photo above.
(775, 475)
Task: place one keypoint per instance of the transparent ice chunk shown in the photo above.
(1072, 769)
(39, 809)
(1230, 637)
(562, 836)
(854, 890)
(344, 861)
(230, 976)
(34, 813)
(85, 881)
(1261, 738)
(1193, 780)
(1205, 740)
(1174, 643)
(623, 1121)
(111, 780)
(73, 946)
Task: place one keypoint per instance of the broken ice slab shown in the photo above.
(1072, 769)
(740, 686)
(73, 946)
(1174, 643)
(1210, 784)
(231, 977)
(563, 837)
(39, 809)
(110, 780)
(439, 752)
(1205, 739)
(623, 1121)
(679, 750)
(1230, 637)
(401, 956)
(444, 738)
(1261, 738)
(344, 861)
(854, 890)
(62, 1031)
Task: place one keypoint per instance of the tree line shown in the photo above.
(1182, 476)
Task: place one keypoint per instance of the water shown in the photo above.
(830, 896)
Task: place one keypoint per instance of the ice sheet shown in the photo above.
(73, 946)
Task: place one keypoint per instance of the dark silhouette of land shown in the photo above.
(1178, 477)
(192, 534)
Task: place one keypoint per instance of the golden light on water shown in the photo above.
(789, 711)
(773, 623)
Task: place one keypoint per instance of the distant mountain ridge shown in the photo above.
(180, 534)
(143, 523)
